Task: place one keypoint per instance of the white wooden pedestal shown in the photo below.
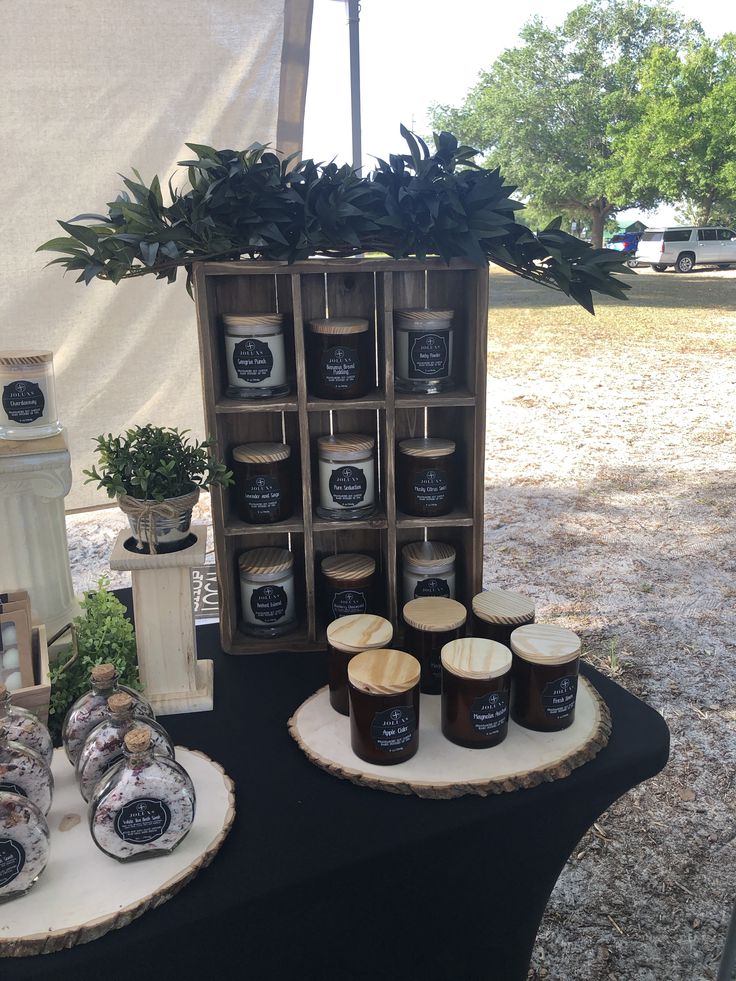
(173, 679)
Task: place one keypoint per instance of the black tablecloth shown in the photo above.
(323, 879)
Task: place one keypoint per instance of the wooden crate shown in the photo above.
(371, 288)
(36, 697)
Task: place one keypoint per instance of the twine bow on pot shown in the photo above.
(143, 515)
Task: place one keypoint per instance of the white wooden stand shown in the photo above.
(173, 679)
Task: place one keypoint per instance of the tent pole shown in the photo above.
(353, 22)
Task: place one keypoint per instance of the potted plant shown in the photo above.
(156, 473)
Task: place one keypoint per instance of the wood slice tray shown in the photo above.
(443, 770)
(83, 893)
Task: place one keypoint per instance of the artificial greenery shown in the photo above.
(154, 463)
(251, 202)
(102, 635)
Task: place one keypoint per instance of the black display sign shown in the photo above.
(432, 587)
(142, 820)
(269, 603)
(262, 495)
(431, 487)
(12, 788)
(340, 368)
(23, 401)
(490, 713)
(429, 354)
(558, 697)
(252, 360)
(12, 860)
(393, 729)
(348, 601)
(348, 486)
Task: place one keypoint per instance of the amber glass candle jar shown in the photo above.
(428, 569)
(423, 342)
(264, 488)
(430, 623)
(476, 682)
(349, 585)
(544, 676)
(498, 612)
(347, 637)
(340, 359)
(425, 481)
(384, 706)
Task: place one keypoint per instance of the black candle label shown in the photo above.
(393, 729)
(429, 354)
(432, 587)
(13, 788)
(348, 486)
(340, 368)
(23, 401)
(269, 603)
(253, 361)
(348, 601)
(262, 495)
(142, 820)
(558, 697)
(431, 487)
(12, 860)
(490, 713)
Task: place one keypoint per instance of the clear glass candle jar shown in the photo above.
(347, 637)
(256, 355)
(349, 585)
(423, 342)
(340, 358)
(384, 706)
(429, 623)
(24, 728)
(267, 591)
(24, 845)
(428, 569)
(23, 772)
(476, 682)
(425, 482)
(27, 395)
(264, 484)
(498, 612)
(546, 663)
(347, 476)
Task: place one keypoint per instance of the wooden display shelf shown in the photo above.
(370, 288)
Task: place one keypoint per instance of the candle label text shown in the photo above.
(12, 860)
(490, 713)
(429, 354)
(348, 601)
(142, 820)
(431, 488)
(432, 587)
(558, 697)
(348, 486)
(12, 788)
(253, 360)
(23, 401)
(262, 495)
(269, 603)
(393, 729)
(340, 368)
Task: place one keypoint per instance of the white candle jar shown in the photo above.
(347, 476)
(428, 569)
(267, 591)
(256, 356)
(424, 350)
(27, 395)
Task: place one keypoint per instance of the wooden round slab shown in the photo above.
(443, 770)
(83, 893)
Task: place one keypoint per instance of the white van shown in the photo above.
(684, 247)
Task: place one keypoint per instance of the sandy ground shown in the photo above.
(609, 498)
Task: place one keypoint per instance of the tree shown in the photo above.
(547, 110)
(684, 141)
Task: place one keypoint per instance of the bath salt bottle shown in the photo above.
(23, 772)
(91, 708)
(103, 747)
(145, 805)
(24, 845)
(23, 727)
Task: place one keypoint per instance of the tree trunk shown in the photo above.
(598, 218)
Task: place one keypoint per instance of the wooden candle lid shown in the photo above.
(503, 606)
(475, 657)
(138, 739)
(120, 703)
(345, 446)
(339, 325)
(254, 321)
(261, 452)
(24, 359)
(384, 672)
(419, 317)
(435, 614)
(543, 643)
(359, 632)
(427, 447)
(103, 674)
(348, 566)
(264, 563)
(428, 556)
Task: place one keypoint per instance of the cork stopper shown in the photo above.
(339, 325)
(347, 566)
(345, 446)
(475, 657)
(261, 452)
(428, 557)
(103, 675)
(359, 632)
(265, 561)
(434, 614)
(138, 739)
(544, 643)
(384, 672)
(120, 703)
(503, 606)
(25, 359)
(428, 447)
(420, 317)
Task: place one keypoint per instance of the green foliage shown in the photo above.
(250, 202)
(152, 463)
(102, 635)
